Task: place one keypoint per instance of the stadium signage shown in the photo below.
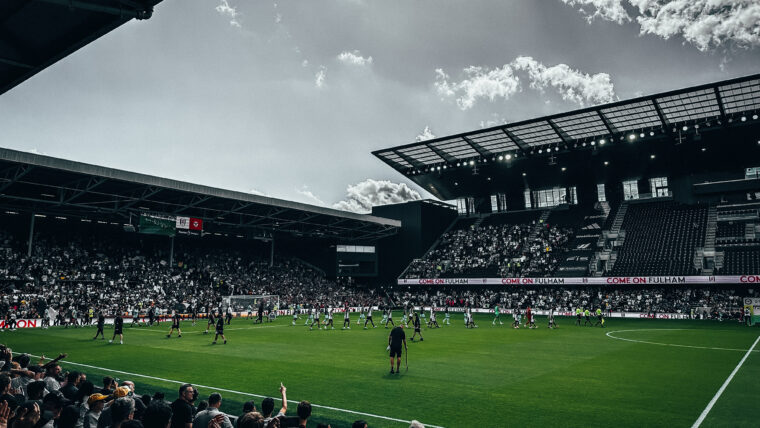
(23, 323)
(613, 280)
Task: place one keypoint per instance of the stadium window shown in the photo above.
(527, 199)
(462, 206)
(752, 172)
(630, 190)
(600, 195)
(550, 197)
(573, 196)
(659, 187)
(498, 203)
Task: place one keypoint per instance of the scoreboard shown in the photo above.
(355, 260)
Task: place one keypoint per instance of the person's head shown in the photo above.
(39, 372)
(53, 402)
(187, 393)
(96, 402)
(249, 406)
(69, 417)
(109, 383)
(203, 405)
(73, 378)
(53, 370)
(215, 400)
(122, 409)
(86, 389)
(304, 410)
(360, 423)
(251, 420)
(267, 407)
(416, 424)
(23, 360)
(35, 390)
(157, 415)
(129, 384)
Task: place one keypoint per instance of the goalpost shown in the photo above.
(240, 303)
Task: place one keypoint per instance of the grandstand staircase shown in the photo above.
(708, 253)
(615, 235)
(749, 231)
(434, 245)
(537, 228)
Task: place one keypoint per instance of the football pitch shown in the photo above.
(631, 373)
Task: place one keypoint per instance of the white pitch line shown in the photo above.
(609, 334)
(319, 406)
(723, 387)
(148, 329)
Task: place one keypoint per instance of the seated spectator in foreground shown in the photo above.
(248, 406)
(122, 410)
(304, 412)
(251, 420)
(157, 415)
(267, 406)
(95, 406)
(204, 417)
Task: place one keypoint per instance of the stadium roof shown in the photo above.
(722, 103)
(43, 184)
(35, 34)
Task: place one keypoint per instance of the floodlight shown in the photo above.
(601, 142)
(501, 157)
(651, 156)
(509, 157)
(632, 137)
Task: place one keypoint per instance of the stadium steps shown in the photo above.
(537, 228)
(619, 217)
(433, 246)
(749, 231)
(709, 248)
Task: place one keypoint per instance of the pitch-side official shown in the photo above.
(395, 340)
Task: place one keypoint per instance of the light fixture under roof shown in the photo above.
(509, 157)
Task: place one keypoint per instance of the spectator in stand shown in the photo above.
(51, 377)
(157, 415)
(182, 407)
(95, 405)
(70, 389)
(248, 406)
(267, 406)
(52, 405)
(122, 410)
(204, 417)
(304, 412)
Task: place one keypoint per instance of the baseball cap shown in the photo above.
(121, 391)
(95, 397)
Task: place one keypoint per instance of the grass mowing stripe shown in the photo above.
(723, 387)
(234, 392)
(609, 334)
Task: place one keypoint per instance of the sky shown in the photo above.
(287, 99)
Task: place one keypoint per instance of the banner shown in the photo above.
(157, 226)
(752, 310)
(196, 224)
(23, 323)
(610, 280)
(183, 222)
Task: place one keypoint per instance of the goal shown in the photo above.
(241, 302)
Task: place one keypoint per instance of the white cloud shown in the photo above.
(319, 78)
(572, 85)
(484, 83)
(310, 195)
(611, 10)
(480, 82)
(34, 151)
(426, 134)
(362, 196)
(704, 23)
(258, 192)
(278, 18)
(225, 9)
(305, 63)
(495, 120)
(354, 58)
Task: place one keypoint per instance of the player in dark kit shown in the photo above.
(395, 340)
(118, 326)
(369, 317)
(229, 314)
(417, 324)
(260, 316)
(210, 319)
(101, 323)
(219, 330)
(175, 326)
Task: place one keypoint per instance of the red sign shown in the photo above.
(196, 224)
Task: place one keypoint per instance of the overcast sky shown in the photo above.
(289, 98)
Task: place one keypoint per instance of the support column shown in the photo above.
(31, 237)
(271, 252)
(171, 252)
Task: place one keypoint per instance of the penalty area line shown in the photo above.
(231, 391)
(712, 402)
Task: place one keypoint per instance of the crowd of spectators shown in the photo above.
(703, 302)
(506, 250)
(40, 395)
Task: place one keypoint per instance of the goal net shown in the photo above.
(240, 303)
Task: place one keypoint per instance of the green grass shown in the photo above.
(490, 376)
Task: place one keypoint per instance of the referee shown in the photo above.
(395, 339)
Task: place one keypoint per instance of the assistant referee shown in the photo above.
(395, 339)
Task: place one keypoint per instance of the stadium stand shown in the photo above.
(660, 239)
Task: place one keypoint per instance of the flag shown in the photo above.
(183, 222)
(196, 224)
(157, 226)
